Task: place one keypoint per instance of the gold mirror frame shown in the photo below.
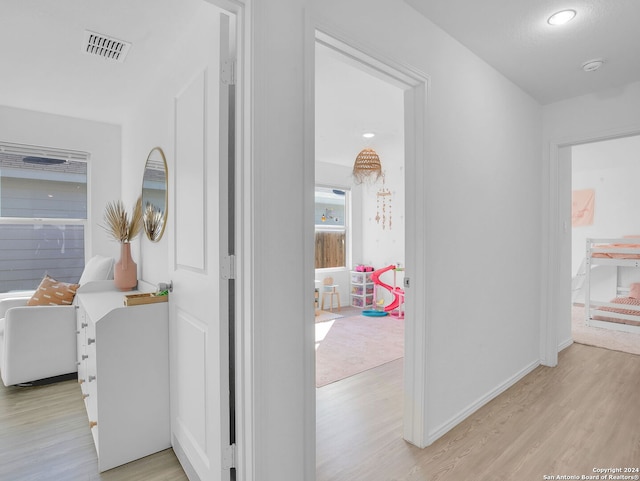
(155, 194)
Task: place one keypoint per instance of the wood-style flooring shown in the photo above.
(44, 435)
(567, 420)
(561, 421)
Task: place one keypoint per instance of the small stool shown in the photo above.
(329, 289)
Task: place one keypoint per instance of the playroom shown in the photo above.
(359, 219)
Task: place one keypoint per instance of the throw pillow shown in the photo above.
(634, 291)
(53, 293)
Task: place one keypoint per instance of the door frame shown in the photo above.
(556, 288)
(244, 454)
(416, 86)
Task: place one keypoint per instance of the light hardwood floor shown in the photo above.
(585, 413)
(44, 435)
(567, 420)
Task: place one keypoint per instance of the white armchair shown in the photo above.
(38, 342)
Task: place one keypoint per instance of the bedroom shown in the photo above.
(602, 205)
(357, 108)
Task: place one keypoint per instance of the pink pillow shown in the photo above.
(634, 291)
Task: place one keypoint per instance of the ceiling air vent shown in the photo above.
(105, 46)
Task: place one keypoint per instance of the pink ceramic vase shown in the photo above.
(125, 274)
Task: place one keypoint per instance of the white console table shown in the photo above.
(123, 371)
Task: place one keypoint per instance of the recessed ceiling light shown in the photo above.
(368, 135)
(561, 17)
(592, 65)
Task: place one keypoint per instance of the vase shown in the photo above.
(125, 273)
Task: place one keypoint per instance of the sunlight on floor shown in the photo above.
(322, 329)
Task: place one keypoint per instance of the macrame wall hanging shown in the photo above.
(383, 199)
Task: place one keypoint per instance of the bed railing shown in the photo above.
(617, 252)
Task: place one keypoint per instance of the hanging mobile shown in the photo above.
(384, 193)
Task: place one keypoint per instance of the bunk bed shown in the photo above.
(621, 311)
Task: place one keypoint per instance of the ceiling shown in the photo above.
(44, 69)
(350, 101)
(546, 61)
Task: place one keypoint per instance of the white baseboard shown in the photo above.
(453, 422)
(565, 344)
(184, 461)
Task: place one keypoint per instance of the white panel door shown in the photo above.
(199, 301)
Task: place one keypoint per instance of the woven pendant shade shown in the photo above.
(367, 167)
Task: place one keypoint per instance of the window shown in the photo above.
(43, 215)
(331, 214)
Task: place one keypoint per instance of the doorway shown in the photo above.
(380, 223)
(358, 225)
(603, 201)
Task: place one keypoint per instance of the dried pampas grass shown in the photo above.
(153, 220)
(119, 225)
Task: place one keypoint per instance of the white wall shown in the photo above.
(152, 125)
(610, 168)
(599, 116)
(284, 394)
(102, 141)
(383, 243)
(150, 128)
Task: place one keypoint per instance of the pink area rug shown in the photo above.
(598, 337)
(354, 344)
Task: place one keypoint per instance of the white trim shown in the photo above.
(401, 75)
(245, 402)
(416, 87)
(308, 249)
(553, 285)
(548, 328)
(415, 426)
(244, 358)
(39, 151)
(42, 221)
(565, 344)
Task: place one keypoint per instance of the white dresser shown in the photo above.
(123, 371)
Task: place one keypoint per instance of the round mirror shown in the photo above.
(154, 194)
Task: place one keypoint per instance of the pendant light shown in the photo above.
(367, 167)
